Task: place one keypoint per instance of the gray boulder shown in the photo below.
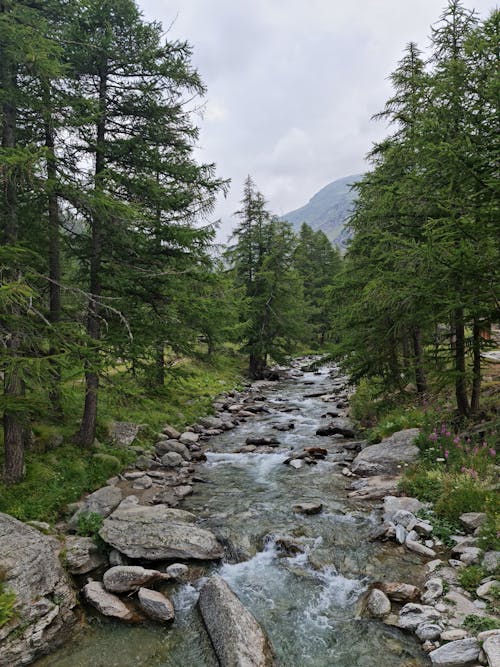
(189, 438)
(378, 604)
(171, 460)
(106, 603)
(171, 432)
(82, 555)
(472, 520)
(123, 434)
(491, 647)
(102, 502)
(491, 561)
(156, 606)
(386, 456)
(44, 600)
(127, 578)
(158, 533)
(412, 615)
(165, 446)
(237, 638)
(456, 654)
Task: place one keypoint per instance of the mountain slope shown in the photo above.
(328, 209)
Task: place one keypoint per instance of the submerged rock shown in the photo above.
(238, 639)
(158, 533)
(44, 600)
(155, 605)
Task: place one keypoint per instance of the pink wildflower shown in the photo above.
(492, 452)
(446, 453)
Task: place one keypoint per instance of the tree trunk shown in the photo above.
(418, 356)
(460, 382)
(54, 251)
(257, 366)
(12, 380)
(476, 367)
(86, 434)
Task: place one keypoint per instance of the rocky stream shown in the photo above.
(266, 551)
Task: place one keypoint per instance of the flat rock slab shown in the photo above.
(158, 532)
(34, 574)
(238, 639)
(456, 654)
(388, 456)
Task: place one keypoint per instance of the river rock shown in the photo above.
(211, 423)
(412, 615)
(102, 502)
(386, 456)
(296, 463)
(453, 635)
(171, 460)
(183, 490)
(155, 605)
(340, 426)
(164, 446)
(488, 589)
(420, 548)
(189, 438)
(471, 555)
(171, 432)
(106, 603)
(433, 590)
(394, 504)
(123, 434)
(82, 555)
(178, 571)
(44, 599)
(472, 520)
(400, 592)
(238, 639)
(126, 578)
(456, 654)
(308, 508)
(263, 442)
(158, 533)
(491, 647)
(378, 604)
(144, 482)
(491, 561)
(428, 632)
(405, 518)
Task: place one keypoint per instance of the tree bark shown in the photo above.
(476, 367)
(86, 434)
(460, 381)
(13, 384)
(418, 356)
(54, 250)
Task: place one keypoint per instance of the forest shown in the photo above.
(112, 283)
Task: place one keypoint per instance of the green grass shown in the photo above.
(476, 624)
(470, 577)
(7, 601)
(60, 473)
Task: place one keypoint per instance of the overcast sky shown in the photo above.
(292, 85)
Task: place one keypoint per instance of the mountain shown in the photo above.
(327, 210)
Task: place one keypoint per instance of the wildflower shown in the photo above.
(493, 452)
(446, 453)
(433, 436)
(475, 451)
(448, 434)
(456, 440)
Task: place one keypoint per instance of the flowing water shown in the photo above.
(307, 602)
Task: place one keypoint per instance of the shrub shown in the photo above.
(475, 624)
(426, 485)
(462, 493)
(470, 577)
(89, 524)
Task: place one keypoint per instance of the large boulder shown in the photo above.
(385, 457)
(235, 634)
(106, 603)
(123, 434)
(456, 654)
(158, 532)
(127, 578)
(155, 605)
(102, 502)
(44, 600)
(82, 555)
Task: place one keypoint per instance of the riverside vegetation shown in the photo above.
(116, 306)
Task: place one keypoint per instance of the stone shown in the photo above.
(158, 533)
(491, 561)
(393, 504)
(144, 462)
(378, 604)
(127, 578)
(472, 520)
(171, 432)
(308, 508)
(102, 502)
(178, 571)
(488, 590)
(189, 438)
(423, 528)
(296, 463)
(412, 615)
(171, 460)
(404, 518)
(117, 558)
(82, 555)
(487, 633)
(236, 636)
(459, 607)
(401, 534)
(165, 446)
(434, 565)
(106, 603)
(433, 590)
(183, 490)
(470, 555)
(412, 536)
(44, 598)
(339, 426)
(453, 635)
(386, 456)
(211, 422)
(420, 548)
(491, 647)
(123, 434)
(263, 442)
(143, 482)
(400, 592)
(155, 605)
(456, 654)
(428, 632)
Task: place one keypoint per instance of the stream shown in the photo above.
(308, 602)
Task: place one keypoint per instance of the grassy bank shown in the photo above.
(58, 473)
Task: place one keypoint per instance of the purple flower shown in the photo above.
(456, 440)
(446, 453)
(433, 436)
(492, 452)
